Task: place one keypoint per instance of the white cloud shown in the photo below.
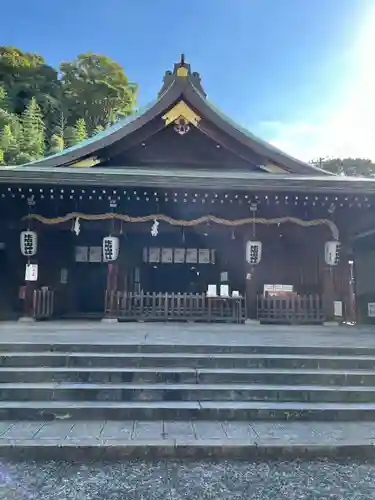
(350, 129)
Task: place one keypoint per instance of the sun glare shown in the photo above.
(349, 130)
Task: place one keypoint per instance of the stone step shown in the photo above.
(186, 410)
(181, 359)
(72, 392)
(188, 375)
(105, 440)
(161, 348)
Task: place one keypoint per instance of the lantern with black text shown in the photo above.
(332, 253)
(111, 248)
(28, 243)
(253, 252)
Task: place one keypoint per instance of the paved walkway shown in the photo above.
(183, 334)
(173, 432)
(64, 439)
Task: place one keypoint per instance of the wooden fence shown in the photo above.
(43, 304)
(174, 307)
(297, 309)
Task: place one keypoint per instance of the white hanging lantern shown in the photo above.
(28, 243)
(332, 253)
(111, 248)
(253, 252)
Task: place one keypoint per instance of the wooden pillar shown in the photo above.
(112, 275)
(28, 297)
(328, 292)
(251, 291)
(112, 281)
(346, 282)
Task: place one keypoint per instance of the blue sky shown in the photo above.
(289, 70)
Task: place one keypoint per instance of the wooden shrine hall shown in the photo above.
(178, 214)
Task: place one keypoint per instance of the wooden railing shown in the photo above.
(174, 307)
(297, 309)
(43, 304)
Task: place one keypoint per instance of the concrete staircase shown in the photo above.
(185, 383)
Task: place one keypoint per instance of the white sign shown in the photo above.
(371, 309)
(337, 308)
(191, 255)
(211, 291)
(95, 254)
(204, 256)
(31, 272)
(167, 255)
(224, 290)
(82, 254)
(179, 255)
(277, 288)
(154, 255)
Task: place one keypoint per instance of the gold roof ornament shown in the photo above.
(274, 169)
(87, 162)
(182, 71)
(181, 110)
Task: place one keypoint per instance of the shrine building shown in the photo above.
(177, 213)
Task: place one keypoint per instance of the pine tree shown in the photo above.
(81, 131)
(56, 144)
(98, 129)
(23, 158)
(69, 137)
(75, 135)
(32, 136)
(5, 102)
(9, 145)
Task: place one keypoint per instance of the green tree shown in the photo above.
(69, 137)
(81, 131)
(32, 131)
(56, 144)
(75, 135)
(357, 167)
(98, 129)
(6, 116)
(9, 144)
(96, 89)
(25, 75)
(5, 102)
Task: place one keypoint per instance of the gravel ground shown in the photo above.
(169, 480)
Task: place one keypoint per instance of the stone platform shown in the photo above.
(185, 334)
(177, 390)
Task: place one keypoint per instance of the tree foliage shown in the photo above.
(32, 130)
(357, 167)
(80, 130)
(96, 89)
(56, 144)
(24, 76)
(41, 113)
